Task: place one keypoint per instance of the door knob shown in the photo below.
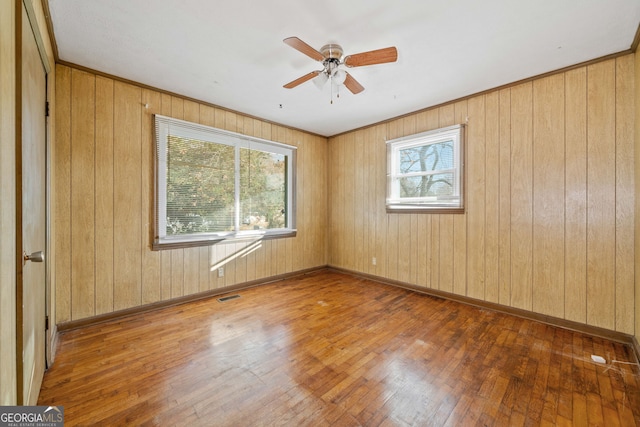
(34, 257)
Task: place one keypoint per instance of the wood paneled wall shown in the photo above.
(637, 196)
(104, 195)
(8, 377)
(549, 220)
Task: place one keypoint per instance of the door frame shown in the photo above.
(32, 22)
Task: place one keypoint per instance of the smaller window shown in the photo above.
(424, 171)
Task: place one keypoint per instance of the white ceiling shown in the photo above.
(231, 54)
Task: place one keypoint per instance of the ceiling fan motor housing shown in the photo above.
(332, 54)
(332, 51)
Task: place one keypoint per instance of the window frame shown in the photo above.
(164, 127)
(396, 204)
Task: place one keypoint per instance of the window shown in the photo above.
(425, 171)
(214, 185)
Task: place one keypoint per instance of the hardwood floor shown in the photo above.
(331, 349)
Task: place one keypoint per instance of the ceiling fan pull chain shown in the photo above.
(331, 84)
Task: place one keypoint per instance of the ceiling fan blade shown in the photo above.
(353, 85)
(301, 46)
(379, 56)
(302, 79)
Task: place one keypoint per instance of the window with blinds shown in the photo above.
(425, 171)
(213, 185)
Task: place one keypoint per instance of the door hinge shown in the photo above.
(46, 323)
(46, 109)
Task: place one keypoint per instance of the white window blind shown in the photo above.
(213, 184)
(424, 171)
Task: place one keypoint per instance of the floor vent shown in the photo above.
(225, 299)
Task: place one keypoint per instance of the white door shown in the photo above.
(32, 311)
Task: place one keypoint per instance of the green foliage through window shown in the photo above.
(213, 183)
(200, 186)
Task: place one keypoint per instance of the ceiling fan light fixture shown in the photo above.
(338, 77)
(320, 80)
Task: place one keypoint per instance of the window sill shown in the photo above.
(215, 240)
(425, 210)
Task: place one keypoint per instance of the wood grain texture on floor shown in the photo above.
(330, 349)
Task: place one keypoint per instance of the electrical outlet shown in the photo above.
(221, 272)
(374, 261)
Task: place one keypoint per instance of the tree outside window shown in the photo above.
(425, 171)
(213, 184)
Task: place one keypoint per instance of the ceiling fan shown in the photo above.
(330, 56)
